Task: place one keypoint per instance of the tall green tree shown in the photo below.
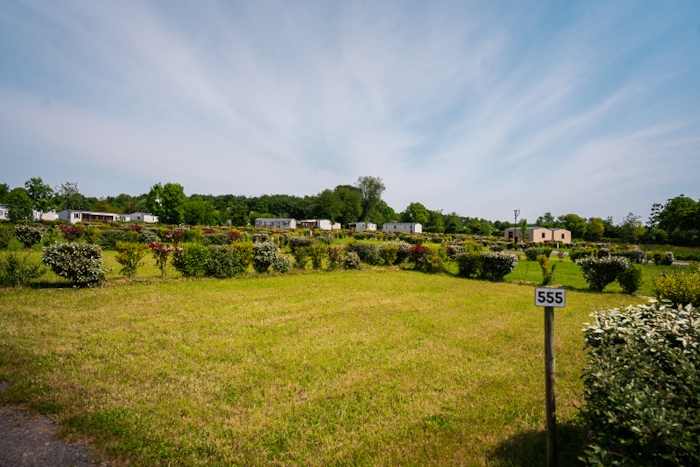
(238, 213)
(371, 189)
(596, 228)
(681, 213)
(41, 194)
(350, 198)
(19, 205)
(631, 228)
(199, 212)
(435, 222)
(416, 212)
(327, 206)
(453, 223)
(168, 202)
(4, 191)
(547, 220)
(576, 224)
(69, 197)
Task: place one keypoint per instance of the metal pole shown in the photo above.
(550, 400)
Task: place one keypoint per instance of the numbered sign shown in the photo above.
(550, 297)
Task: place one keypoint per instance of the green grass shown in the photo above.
(374, 367)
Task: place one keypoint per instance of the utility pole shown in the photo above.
(515, 225)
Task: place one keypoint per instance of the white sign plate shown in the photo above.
(550, 297)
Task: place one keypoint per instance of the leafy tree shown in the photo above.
(631, 228)
(350, 198)
(596, 228)
(371, 189)
(547, 220)
(327, 206)
(168, 202)
(41, 194)
(453, 223)
(416, 212)
(435, 223)
(523, 229)
(198, 212)
(576, 224)
(4, 191)
(69, 197)
(681, 213)
(19, 205)
(238, 214)
(102, 205)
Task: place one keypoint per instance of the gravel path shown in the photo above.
(30, 441)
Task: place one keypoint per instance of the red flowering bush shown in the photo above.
(175, 236)
(161, 253)
(72, 233)
(136, 227)
(235, 236)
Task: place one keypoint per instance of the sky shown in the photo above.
(472, 107)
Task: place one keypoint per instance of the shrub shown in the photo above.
(454, 250)
(496, 266)
(235, 237)
(358, 236)
(352, 261)
(224, 261)
(29, 235)
(417, 255)
(547, 274)
(668, 258)
(299, 242)
(283, 263)
(78, 262)
(109, 238)
(318, 252)
(368, 253)
(434, 261)
(92, 234)
(194, 235)
(161, 253)
(335, 258)
(148, 236)
(401, 252)
(631, 278)
(389, 253)
(175, 236)
(680, 288)
(599, 272)
(191, 259)
(261, 237)
(580, 254)
(265, 255)
(7, 233)
(72, 233)
(642, 405)
(217, 238)
(18, 270)
(130, 257)
(634, 256)
(532, 253)
(301, 255)
(244, 251)
(468, 263)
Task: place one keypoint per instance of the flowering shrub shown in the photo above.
(244, 251)
(454, 250)
(261, 237)
(634, 256)
(390, 252)
(175, 236)
(147, 236)
(599, 272)
(161, 253)
(235, 237)
(335, 258)
(283, 263)
(191, 259)
(417, 255)
(402, 250)
(680, 288)
(79, 262)
(136, 227)
(352, 261)
(29, 235)
(72, 233)
(16, 271)
(668, 258)
(266, 255)
(427, 259)
(497, 265)
(642, 404)
(130, 257)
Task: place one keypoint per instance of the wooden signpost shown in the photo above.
(550, 299)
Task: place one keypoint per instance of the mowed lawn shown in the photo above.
(373, 367)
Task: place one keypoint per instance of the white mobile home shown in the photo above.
(405, 227)
(270, 223)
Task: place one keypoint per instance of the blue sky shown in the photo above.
(475, 107)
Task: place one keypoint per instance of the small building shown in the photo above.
(274, 223)
(74, 216)
(145, 217)
(322, 224)
(45, 216)
(360, 226)
(336, 226)
(405, 227)
(538, 235)
(3, 213)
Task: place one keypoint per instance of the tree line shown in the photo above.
(677, 221)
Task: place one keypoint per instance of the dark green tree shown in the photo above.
(435, 222)
(4, 191)
(327, 206)
(168, 202)
(416, 212)
(371, 189)
(41, 194)
(576, 224)
(350, 198)
(19, 205)
(238, 213)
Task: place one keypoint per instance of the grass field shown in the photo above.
(373, 367)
